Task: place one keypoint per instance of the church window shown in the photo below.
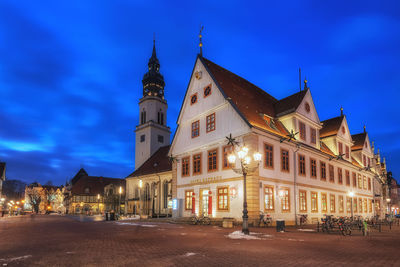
(142, 138)
(143, 117)
(313, 136)
(302, 128)
(165, 194)
(195, 129)
(160, 138)
(193, 99)
(210, 121)
(160, 118)
(185, 166)
(212, 160)
(207, 90)
(197, 164)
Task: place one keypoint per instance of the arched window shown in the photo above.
(165, 194)
(160, 118)
(143, 117)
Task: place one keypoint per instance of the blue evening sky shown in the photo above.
(70, 71)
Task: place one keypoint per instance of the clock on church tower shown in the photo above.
(152, 131)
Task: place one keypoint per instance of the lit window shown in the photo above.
(365, 182)
(332, 203)
(314, 202)
(210, 123)
(285, 200)
(341, 204)
(360, 184)
(269, 156)
(269, 198)
(360, 205)
(227, 150)
(348, 204)
(324, 204)
(188, 199)
(212, 160)
(195, 129)
(303, 201)
(369, 183)
(223, 198)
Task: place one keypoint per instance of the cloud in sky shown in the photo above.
(70, 73)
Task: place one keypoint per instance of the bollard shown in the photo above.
(318, 227)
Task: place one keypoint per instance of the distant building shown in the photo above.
(46, 198)
(94, 194)
(149, 187)
(2, 176)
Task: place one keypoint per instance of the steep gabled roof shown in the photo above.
(159, 158)
(359, 140)
(289, 104)
(95, 184)
(330, 127)
(80, 174)
(251, 102)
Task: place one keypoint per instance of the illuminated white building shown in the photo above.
(312, 174)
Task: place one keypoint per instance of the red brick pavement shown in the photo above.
(65, 241)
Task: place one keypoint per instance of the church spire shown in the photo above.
(153, 81)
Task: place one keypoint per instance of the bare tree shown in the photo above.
(34, 197)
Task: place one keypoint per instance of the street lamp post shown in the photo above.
(351, 195)
(98, 202)
(245, 167)
(119, 202)
(388, 204)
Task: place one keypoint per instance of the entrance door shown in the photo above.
(204, 201)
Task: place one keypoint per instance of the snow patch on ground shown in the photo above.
(301, 240)
(136, 224)
(306, 230)
(14, 259)
(132, 218)
(240, 235)
(188, 254)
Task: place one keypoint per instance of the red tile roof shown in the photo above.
(359, 140)
(251, 102)
(95, 184)
(158, 162)
(330, 127)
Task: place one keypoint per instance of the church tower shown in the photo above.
(152, 131)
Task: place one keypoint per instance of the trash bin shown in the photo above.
(107, 216)
(280, 225)
(112, 216)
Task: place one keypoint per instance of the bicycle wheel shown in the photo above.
(348, 231)
(194, 220)
(206, 221)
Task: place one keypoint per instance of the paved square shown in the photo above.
(66, 241)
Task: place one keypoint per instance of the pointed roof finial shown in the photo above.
(200, 41)
(154, 46)
(341, 111)
(365, 128)
(305, 84)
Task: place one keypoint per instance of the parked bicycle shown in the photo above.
(344, 226)
(303, 219)
(265, 219)
(201, 220)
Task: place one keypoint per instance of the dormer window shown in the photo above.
(307, 106)
(343, 130)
